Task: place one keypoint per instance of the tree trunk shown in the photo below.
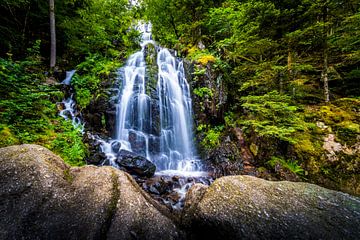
(52, 34)
(289, 64)
(325, 77)
(325, 71)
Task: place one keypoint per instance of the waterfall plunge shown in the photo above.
(171, 146)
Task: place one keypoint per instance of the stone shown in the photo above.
(246, 207)
(137, 142)
(225, 160)
(135, 164)
(110, 120)
(43, 198)
(96, 156)
(115, 146)
(332, 147)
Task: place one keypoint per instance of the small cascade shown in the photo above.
(68, 105)
(155, 124)
(69, 75)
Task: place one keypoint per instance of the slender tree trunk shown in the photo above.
(325, 71)
(325, 77)
(52, 34)
(289, 64)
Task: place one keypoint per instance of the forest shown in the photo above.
(286, 73)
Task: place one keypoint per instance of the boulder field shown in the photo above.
(43, 198)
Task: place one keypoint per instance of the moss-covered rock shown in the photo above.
(43, 198)
(245, 207)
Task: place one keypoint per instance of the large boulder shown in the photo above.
(43, 198)
(245, 207)
(135, 164)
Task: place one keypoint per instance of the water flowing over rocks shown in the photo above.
(43, 198)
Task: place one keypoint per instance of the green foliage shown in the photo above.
(89, 32)
(90, 74)
(68, 144)
(28, 113)
(212, 136)
(203, 92)
(272, 115)
(177, 21)
(292, 166)
(83, 27)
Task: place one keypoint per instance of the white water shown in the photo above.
(171, 147)
(69, 104)
(69, 75)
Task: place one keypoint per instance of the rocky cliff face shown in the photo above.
(43, 198)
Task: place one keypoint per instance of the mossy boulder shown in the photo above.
(43, 198)
(245, 207)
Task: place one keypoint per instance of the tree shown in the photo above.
(52, 34)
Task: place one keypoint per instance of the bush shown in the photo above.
(212, 136)
(68, 144)
(272, 115)
(292, 166)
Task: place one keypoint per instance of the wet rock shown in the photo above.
(137, 142)
(174, 197)
(154, 145)
(110, 120)
(96, 156)
(225, 160)
(135, 164)
(43, 198)
(95, 113)
(115, 146)
(60, 106)
(171, 190)
(158, 185)
(246, 207)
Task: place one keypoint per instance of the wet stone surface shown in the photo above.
(170, 190)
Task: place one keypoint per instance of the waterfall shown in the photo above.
(176, 138)
(156, 125)
(69, 75)
(68, 105)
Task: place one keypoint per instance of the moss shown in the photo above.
(68, 176)
(292, 166)
(7, 138)
(205, 59)
(347, 132)
(254, 149)
(112, 207)
(332, 114)
(262, 170)
(306, 145)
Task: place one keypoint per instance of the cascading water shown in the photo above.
(176, 140)
(69, 105)
(157, 124)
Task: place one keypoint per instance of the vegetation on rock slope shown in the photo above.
(285, 72)
(92, 43)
